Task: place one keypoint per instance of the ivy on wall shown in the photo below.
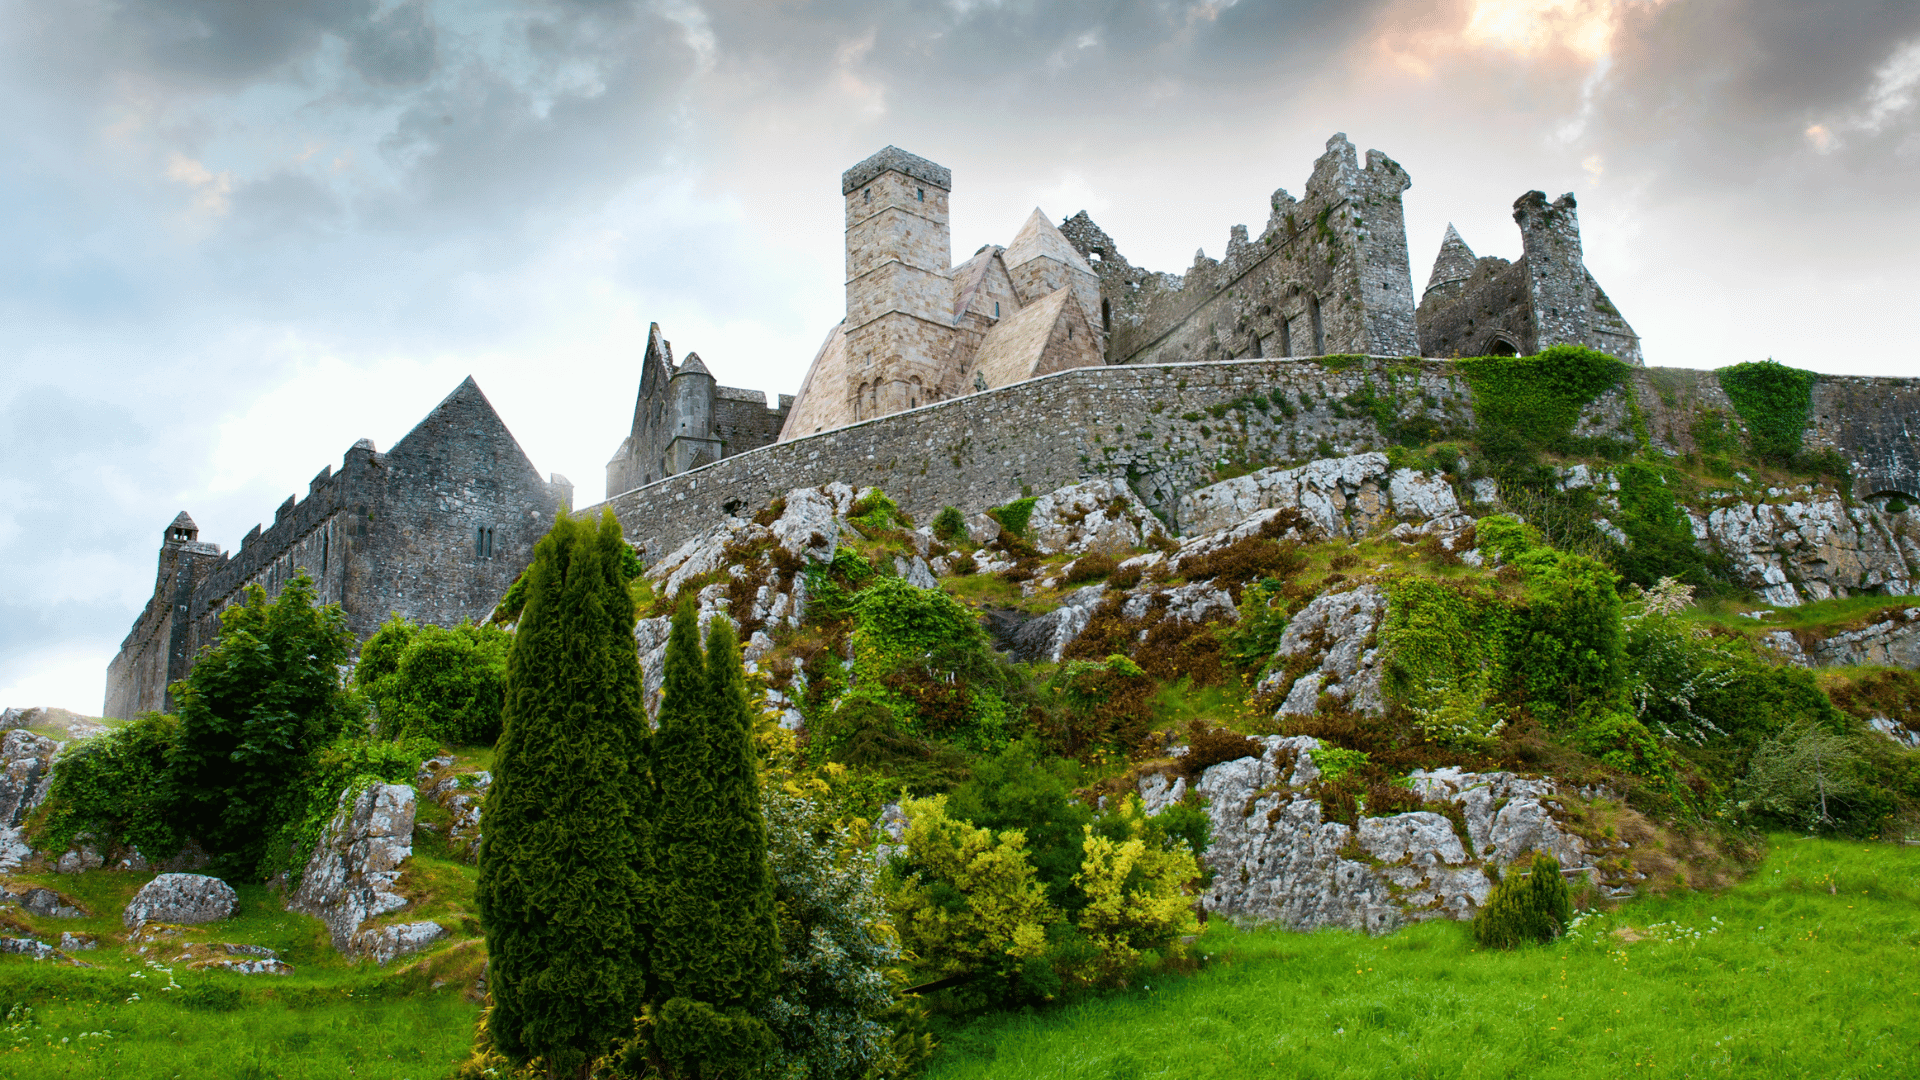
(1773, 400)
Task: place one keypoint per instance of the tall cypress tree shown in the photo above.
(716, 944)
(564, 868)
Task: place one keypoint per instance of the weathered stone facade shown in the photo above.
(434, 529)
(682, 419)
(919, 329)
(1327, 275)
(1490, 307)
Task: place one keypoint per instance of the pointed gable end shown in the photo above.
(1455, 262)
(1039, 239)
(462, 435)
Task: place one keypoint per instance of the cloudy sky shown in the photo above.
(242, 235)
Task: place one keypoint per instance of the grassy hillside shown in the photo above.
(1803, 970)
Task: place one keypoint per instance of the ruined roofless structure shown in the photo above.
(1328, 275)
(434, 529)
(1490, 307)
(683, 419)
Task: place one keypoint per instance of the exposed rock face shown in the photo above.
(1098, 516)
(1335, 639)
(180, 898)
(51, 904)
(1044, 637)
(807, 530)
(25, 773)
(1814, 548)
(460, 795)
(1345, 496)
(1892, 642)
(383, 943)
(38, 950)
(1274, 859)
(355, 868)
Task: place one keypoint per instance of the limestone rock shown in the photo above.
(25, 773)
(460, 794)
(1343, 496)
(1275, 861)
(1895, 730)
(1103, 516)
(383, 943)
(1336, 632)
(1812, 548)
(355, 867)
(46, 902)
(79, 859)
(1044, 637)
(72, 942)
(180, 898)
(1890, 642)
(38, 950)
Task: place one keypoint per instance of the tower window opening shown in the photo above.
(1106, 314)
(920, 193)
(483, 542)
(996, 309)
(867, 196)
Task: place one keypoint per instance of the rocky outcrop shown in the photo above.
(1043, 638)
(181, 899)
(354, 873)
(1330, 648)
(1893, 641)
(26, 762)
(806, 530)
(1274, 860)
(1813, 547)
(460, 795)
(1095, 517)
(1344, 496)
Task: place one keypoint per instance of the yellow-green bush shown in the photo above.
(1136, 892)
(967, 901)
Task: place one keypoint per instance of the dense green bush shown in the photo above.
(1022, 789)
(1013, 516)
(835, 995)
(919, 656)
(950, 525)
(118, 787)
(1134, 878)
(1525, 907)
(440, 683)
(1104, 705)
(253, 710)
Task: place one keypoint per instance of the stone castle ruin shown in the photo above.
(1045, 363)
(434, 529)
(1490, 307)
(684, 419)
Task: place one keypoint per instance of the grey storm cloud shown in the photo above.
(201, 189)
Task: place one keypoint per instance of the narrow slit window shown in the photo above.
(920, 193)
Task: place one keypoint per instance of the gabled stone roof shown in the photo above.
(1038, 238)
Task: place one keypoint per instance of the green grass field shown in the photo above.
(1806, 969)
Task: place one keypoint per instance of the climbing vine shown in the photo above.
(1773, 400)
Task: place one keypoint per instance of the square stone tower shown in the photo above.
(899, 326)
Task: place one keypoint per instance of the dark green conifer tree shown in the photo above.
(717, 949)
(564, 868)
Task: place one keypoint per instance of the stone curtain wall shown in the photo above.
(1165, 428)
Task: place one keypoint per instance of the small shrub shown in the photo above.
(1211, 746)
(1530, 907)
(1089, 567)
(963, 564)
(950, 525)
(1896, 506)
(875, 512)
(1126, 577)
(1336, 763)
(1014, 516)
